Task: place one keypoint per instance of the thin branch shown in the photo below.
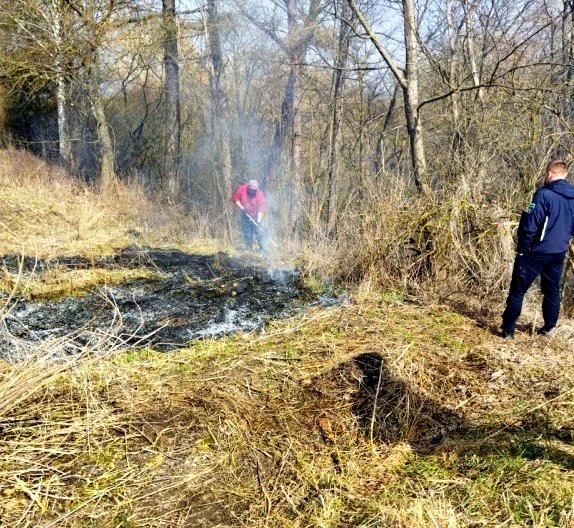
(265, 30)
(484, 85)
(75, 8)
(397, 71)
(518, 46)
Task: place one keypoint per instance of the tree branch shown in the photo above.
(397, 71)
(265, 30)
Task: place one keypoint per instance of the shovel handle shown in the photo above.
(259, 227)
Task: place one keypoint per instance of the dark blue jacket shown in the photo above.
(548, 223)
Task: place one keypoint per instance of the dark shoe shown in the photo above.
(545, 331)
(506, 335)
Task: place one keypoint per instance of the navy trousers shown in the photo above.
(526, 268)
(250, 232)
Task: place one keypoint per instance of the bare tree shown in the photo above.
(219, 111)
(93, 22)
(63, 43)
(40, 55)
(408, 79)
(340, 66)
(172, 99)
(379, 161)
(294, 44)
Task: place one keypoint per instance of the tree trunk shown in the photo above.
(296, 161)
(470, 49)
(411, 96)
(453, 69)
(64, 144)
(290, 122)
(107, 156)
(282, 128)
(568, 55)
(408, 81)
(337, 111)
(219, 117)
(172, 100)
(298, 39)
(379, 164)
(457, 145)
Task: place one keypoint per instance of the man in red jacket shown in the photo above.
(249, 198)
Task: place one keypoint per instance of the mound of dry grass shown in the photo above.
(46, 213)
(379, 413)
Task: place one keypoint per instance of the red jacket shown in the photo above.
(253, 205)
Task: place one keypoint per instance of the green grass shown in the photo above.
(316, 284)
(447, 340)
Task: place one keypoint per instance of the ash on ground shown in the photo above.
(193, 296)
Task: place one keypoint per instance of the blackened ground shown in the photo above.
(194, 296)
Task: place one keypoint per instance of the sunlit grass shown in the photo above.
(266, 427)
(278, 429)
(46, 213)
(57, 283)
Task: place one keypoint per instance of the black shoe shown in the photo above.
(545, 331)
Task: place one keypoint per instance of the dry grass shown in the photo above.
(461, 241)
(381, 413)
(301, 426)
(45, 213)
(57, 283)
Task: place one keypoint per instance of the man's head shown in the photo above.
(253, 185)
(556, 170)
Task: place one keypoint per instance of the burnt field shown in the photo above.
(182, 298)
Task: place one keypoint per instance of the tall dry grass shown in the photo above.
(47, 213)
(400, 240)
(456, 247)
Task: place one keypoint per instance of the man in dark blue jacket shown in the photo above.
(543, 237)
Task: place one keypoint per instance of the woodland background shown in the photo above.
(397, 143)
(397, 140)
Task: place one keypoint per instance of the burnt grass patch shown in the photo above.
(189, 296)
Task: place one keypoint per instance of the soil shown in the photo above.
(193, 296)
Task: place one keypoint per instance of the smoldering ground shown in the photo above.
(187, 297)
